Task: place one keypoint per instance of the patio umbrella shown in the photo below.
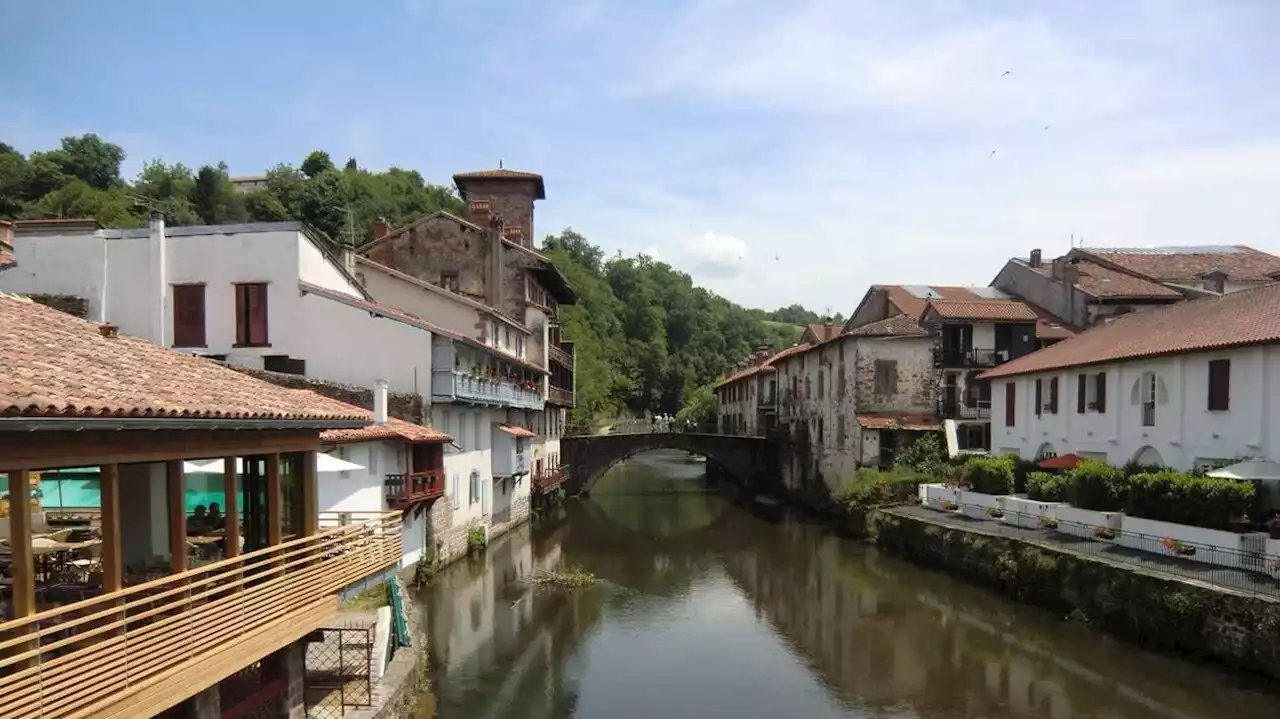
(324, 463)
(1062, 461)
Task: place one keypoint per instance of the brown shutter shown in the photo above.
(188, 316)
(242, 314)
(1082, 393)
(1220, 385)
(258, 315)
(1010, 403)
(1101, 403)
(1039, 396)
(1053, 395)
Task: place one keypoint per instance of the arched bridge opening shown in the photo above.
(750, 461)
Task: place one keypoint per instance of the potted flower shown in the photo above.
(1048, 522)
(1180, 548)
(1104, 533)
(995, 512)
(950, 506)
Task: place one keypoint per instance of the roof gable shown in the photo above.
(1168, 264)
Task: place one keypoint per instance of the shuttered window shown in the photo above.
(1053, 395)
(1039, 397)
(1100, 403)
(1220, 385)
(251, 315)
(1010, 403)
(1082, 392)
(188, 316)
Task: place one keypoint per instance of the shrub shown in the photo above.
(989, 475)
(1096, 485)
(477, 540)
(1046, 487)
(926, 456)
(870, 487)
(1172, 496)
(1022, 471)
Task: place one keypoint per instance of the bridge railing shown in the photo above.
(628, 427)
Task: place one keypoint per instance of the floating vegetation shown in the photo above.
(569, 578)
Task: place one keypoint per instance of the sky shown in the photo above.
(777, 152)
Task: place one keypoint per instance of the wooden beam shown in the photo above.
(175, 481)
(310, 501)
(112, 558)
(23, 450)
(231, 510)
(23, 568)
(273, 499)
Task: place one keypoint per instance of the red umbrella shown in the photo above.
(1065, 461)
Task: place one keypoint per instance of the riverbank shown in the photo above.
(1157, 608)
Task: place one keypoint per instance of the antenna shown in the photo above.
(499, 163)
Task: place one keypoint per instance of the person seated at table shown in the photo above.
(215, 520)
(198, 522)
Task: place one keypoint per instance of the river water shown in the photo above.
(704, 609)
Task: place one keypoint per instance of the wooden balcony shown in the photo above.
(564, 359)
(143, 649)
(560, 396)
(404, 490)
(547, 480)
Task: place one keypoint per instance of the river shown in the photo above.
(703, 609)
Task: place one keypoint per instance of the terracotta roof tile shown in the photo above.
(1241, 318)
(825, 332)
(56, 365)
(895, 326)
(901, 297)
(766, 366)
(995, 310)
(460, 179)
(908, 421)
(1107, 283)
(1171, 264)
(393, 429)
(516, 430)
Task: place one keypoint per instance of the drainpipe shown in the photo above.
(159, 280)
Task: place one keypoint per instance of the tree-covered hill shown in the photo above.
(648, 340)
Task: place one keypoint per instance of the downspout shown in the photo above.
(102, 288)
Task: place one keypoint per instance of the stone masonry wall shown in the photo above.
(1159, 611)
(519, 515)
(70, 304)
(450, 540)
(439, 245)
(917, 381)
(401, 405)
(512, 201)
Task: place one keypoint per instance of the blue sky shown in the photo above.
(779, 152)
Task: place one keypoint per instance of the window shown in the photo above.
(188, 316)
(474, 489)
(453, 490)
(808, 387)
(840, 431)
(449, 281)
(1219, 385)
(821, 431)
(1039, 396)
(1082, 393)
(886, 377)
(843, 385)
(1010, 405)
(822, 384)
(251, 315)
(1100, 392)
(520, 347)
(1052, 407)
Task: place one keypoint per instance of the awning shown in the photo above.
(907, 422)
(516, 430)
(324, 463)
(1249, 470)
(1062, 461)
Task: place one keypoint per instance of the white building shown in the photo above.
(1191, 386)
(267, 296)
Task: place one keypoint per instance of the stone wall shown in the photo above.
(916, 383)
(72, 305)
(436, 246)
(519, 515)
(401, 405)
(512, 201)
(1238, 630)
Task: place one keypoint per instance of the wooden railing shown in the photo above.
(560, 396)
(138, 651)
(547, 480)
(402, 489)
(558, 355)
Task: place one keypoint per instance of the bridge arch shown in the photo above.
(752, 461)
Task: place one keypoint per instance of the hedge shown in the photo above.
(990, 475)
(870, 487)
(1173, 496)
(1046, 487)
(1096, 485)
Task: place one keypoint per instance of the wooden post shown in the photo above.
(310, 502)
(23, 568)
(112, 558)
(273, 499)
(175, 481)
(232, 509)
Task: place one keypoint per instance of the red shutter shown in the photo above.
(251, 315)
(1010, 403)
(1053, 395)
(1220, 385)
(1039, 396)
(188, 316)
(1101, 403)
(1082, 393)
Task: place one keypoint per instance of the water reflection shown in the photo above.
(704, 609)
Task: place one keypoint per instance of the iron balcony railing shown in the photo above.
(463, 387)
(974, 357)
(139, 650)
(405, 489)
(972, 409)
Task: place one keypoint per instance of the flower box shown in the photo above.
(1212, 546)
(1085, 522)
(1028, 513)
(977, 505)
(938, 496)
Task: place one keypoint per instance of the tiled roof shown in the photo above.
(825, 332)
(393, 429)
(413, 321)
(895, 326)
(56, 365)
(516, 430)
(908, 421)
(909, 304)
(1170, 264)
(461, 178)
(995, 310)
(1106, 283)
(766, 366)
(1240, 318)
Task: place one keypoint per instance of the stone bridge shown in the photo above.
(750, 461)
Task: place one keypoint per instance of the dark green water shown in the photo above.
(704, 610)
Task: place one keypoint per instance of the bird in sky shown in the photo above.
(1007, 73)
(1047, 126)
(993, 154)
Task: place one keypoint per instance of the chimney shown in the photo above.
(1070, 274)
(1058, 263)
(381, 228)
(157, 245)
(1035, 259)
(380, 401)
(349, 260)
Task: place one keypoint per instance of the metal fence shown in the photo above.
(1247, 570)
(644, 426)
(338, 672)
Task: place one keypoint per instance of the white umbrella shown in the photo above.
(324, 463)
(1252, 469)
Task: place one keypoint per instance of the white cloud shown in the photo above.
(715, 255)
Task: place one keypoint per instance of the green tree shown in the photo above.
(92, 160)
(316, 163)
(215, 199)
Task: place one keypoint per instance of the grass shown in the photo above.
(368, 600)
(568, 578)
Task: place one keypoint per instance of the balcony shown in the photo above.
(560, 396)
(559, 356)
(970, 409)
(142, 649)
(768, 400)
(454, 386)
(547, 480)
(1148, 414)
(975, 358)
(404, 490)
